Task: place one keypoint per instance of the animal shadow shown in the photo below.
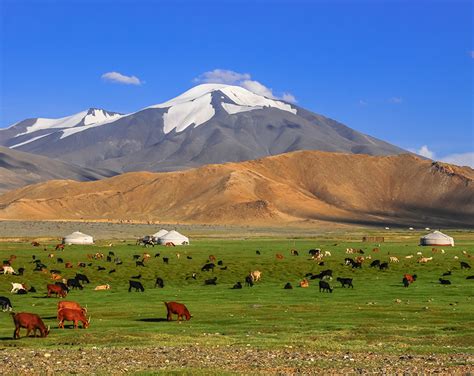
(153, 319)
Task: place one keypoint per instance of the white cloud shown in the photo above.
(120, 78)
(224, 76)
(425, 152)
(460, 159)
(396, 100)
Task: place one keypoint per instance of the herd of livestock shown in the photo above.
(73, 311)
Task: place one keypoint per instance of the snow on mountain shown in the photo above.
(29, 140)
(194, 106)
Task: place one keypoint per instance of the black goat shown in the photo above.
(345, 281)
(324, 286)
(136, 285)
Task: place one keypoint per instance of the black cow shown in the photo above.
(345, 281)
(375, 263)
(82, 277)
(249, 281)
(324, 286)
(5, 304)
(444, 281)
(166, 260)
(383, 266)
(159, 282)
(157, 254)
(74, 283)
(288, 286)
(211, 281)
(136, 285)
(63, 286)
(238, 285)
(208, 267)
(465, 265)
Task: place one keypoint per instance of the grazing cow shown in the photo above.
(444, 281)
(17, 286)
(279, 256)
(57, 290)
(211, 281)
(249, 281)
(304, 283)
(166, 260)
(465, 265)
(59, 247)
(5, 304)
(70, 305)
(82, 277)
(29, 321)
(294, 252)
(74, 315)
(383, 266)
(136, 285)
(102, 287)
(177, 309)
(324, 286)
(288, 286)
(238, 285)
(8, 270)
(207, 267)
(160, 283)
(345, 281)
(62, 285)
(375, 263)
(74, 283)
(256, 275)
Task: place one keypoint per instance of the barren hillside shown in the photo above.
(298, 187)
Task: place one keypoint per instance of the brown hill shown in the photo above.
(298, 187)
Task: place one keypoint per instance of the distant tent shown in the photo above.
(174, 237)
(159, 234)
(78, 238)
(437, 238)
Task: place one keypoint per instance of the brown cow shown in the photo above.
(68, 265)
(74, 315)
(59, 247)
(35, 244)
(304, 283)
(279, 256)
(71, 305)
(55, 289)
(29, 321)
(177, 309)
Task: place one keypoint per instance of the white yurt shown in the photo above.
(174, 237)
(159, 234)
(437, 238)
(78, 238)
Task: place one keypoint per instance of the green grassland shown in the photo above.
(378, 315)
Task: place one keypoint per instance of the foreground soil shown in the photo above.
(225, 360)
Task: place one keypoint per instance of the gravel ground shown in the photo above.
(218, 360)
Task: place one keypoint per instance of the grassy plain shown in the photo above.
(379, 315)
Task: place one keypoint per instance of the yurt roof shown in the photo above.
(174, 235)
(77, 234)
(437, 235)
(160, 233)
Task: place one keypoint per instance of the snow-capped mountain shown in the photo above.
(210, 123)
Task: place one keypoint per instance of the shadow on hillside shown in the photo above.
(154, 319)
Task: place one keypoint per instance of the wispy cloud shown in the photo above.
(363, 102)
(396, 100)
(224, 76)
(425, 152)
(119, 78)
(460, 159)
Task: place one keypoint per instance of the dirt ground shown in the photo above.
(219, 360)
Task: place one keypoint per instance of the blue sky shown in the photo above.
(401, 71)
